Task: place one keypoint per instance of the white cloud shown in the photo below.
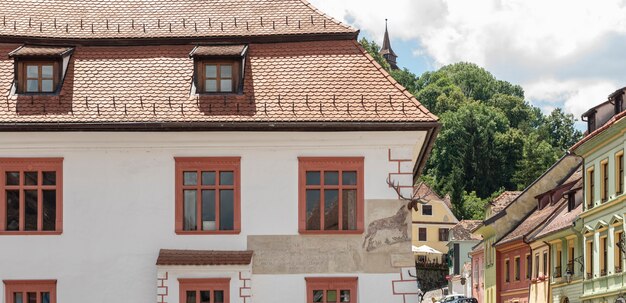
(574, 44)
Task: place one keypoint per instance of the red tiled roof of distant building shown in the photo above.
(463, 230)
(203, 257)
(124, 19)
(502, 200)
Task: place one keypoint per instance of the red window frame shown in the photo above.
(338, 164)
(38, 165)
(337, 284)
(199, 164)
(30, 286)
(210, 284)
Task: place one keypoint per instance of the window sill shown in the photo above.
(331, 232)
(208, 232)
(31, 233)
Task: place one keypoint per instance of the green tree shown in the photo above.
(538, 156)
(558, 130)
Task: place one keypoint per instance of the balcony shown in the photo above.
(557, 272)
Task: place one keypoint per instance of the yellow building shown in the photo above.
(432, 223)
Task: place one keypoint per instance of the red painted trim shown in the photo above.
(328, 283)
(245, 286)
(210, 284)
(331, 164)
(12, 286)
(39, 165)
(207, 164)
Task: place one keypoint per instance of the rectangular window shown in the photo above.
(30, 195)
(529, 267)
(218, 77)
(557, 262)
(422, 234)
(604, 186)
(444, 234)
(589, 261)
(590, 188)
(603, 256)
(536, 275)
(331, 195)
(214, 290)
(619, 173)
(617, 253)
(507, 271)
(208, 195)
(545, 264)
(331, 290)
(30, 291)
(38, 76)
(570, 256)
(427, 210)
(517, 269)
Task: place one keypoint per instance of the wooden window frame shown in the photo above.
(604, 254)
(211, 284)
(590, 188)
(39, 165)
(517, 267)
(604, 180)
(537, 260)
(24, 286)
(334, 283)
(571, 250)
(529, 266)
(589, 262)
(424, 207)
(619, 173)
(444, 232)
(323, 164)
(507, 270)
(200, 164)
(419, 234)
(545, 264)
(235, 64)
(23, 76)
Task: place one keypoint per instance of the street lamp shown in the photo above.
(568, 276)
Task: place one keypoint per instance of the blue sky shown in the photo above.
(570, 58)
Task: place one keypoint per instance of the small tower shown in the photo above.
(386, 50)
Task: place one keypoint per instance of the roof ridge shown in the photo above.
(393, 81)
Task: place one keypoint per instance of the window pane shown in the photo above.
(226, 85)
(45, 297)
(32, 85)
(227, 204)
(331, 178)
(331, 296)
(32, 71)
(49, 209)
(191, 296)
(226, 178)
(46, 71)
(189, 210)
(312, 209)
(210, 85)
(210, 71)
(345, 296)
(312, 178)
(13, 178)
(30, 212)
(205, 296)
(331, 209)
(32, 297)
(49, 178)
(30, 178)
(219, 296)
(18, 297)
(318, 296)
(190, 178)
(226, 71)
(208, 210)
(47, 86)
(13, 209)
(348, 178)
(208, 178)
(349, 210)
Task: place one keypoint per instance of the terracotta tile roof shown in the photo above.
(218, 50)
(119, 19)
(502, 201)
(561, 221)
(203, 257)
(463, 230)
(322, 81)
(32, 50)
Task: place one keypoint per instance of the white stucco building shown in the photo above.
(201, 151)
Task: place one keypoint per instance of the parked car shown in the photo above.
(466, 300)
(452, 298)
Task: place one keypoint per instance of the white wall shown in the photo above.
(119, 201)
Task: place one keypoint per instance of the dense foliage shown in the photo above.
(491, 138)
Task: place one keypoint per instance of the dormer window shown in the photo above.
(219, 69)
(40, 69)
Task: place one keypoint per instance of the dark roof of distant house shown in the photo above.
(429, 194)
(462, 231)
(204, 257)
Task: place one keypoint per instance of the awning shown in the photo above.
(204, 257)
(40, 51)
(425, 249)
(219, 50)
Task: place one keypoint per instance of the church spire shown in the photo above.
(386, 51)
